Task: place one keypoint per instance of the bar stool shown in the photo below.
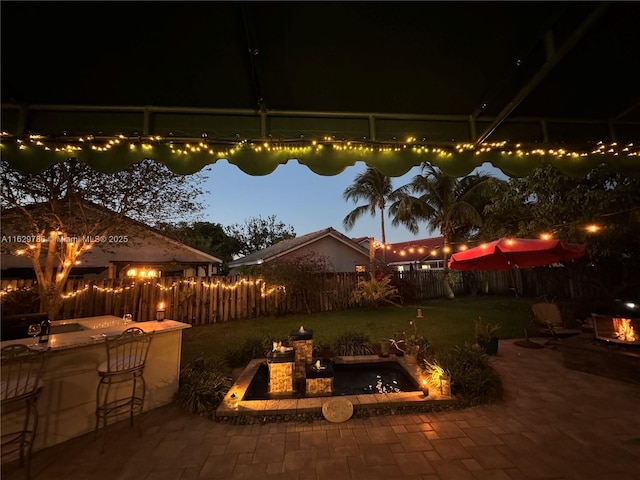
(121, 389)
(22, 371)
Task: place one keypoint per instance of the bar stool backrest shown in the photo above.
(22, 369)
(127, 352)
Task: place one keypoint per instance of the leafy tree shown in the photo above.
(258, 233)
(548, 201)
(206, 236)
(59, 214)
(300, 274)
(451, 205)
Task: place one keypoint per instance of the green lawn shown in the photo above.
(445, 323)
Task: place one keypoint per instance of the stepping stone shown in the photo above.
(337, 410)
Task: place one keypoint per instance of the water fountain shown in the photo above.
(291, 384)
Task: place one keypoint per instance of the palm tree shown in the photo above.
(451, 205)
(376, 190)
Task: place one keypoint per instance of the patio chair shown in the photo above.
(126, 360)
(22, 371)
(548, 320)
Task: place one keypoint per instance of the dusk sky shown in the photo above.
(300, 198)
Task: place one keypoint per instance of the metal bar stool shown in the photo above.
(22, 371)
(121, 389)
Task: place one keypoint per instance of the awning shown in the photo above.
(390, 84)
(186, 140)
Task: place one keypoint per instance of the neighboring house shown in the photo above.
(420, 254)
(342, 253)
(136, 250)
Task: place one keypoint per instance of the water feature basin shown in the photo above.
(238, 408)
(348, 379)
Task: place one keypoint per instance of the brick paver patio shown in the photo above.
(555, 423)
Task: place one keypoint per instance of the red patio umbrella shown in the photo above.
(507, 253)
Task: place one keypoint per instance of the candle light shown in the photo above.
(425, 387)
(160, 312)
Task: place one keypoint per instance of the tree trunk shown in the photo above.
(384, 236)
(447, 286)
(51, 302)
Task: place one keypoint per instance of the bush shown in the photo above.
(203, 385)
(250, 348)
(473, 379)
(20, 301)
(374, 292)
(352, 343)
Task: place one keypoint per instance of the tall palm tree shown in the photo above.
(376, 190)
(451, 205)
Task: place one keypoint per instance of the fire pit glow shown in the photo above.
(623, 330)
(617, 329)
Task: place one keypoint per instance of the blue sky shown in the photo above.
(298, 197)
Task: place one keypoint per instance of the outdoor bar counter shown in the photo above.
(67, 403)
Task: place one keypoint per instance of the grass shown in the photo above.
(446, 323)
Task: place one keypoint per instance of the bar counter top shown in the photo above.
(95, 330)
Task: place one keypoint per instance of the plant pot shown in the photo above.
(445, 386)
(490, 346)
(411, 359)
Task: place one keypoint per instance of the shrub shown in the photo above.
(473, 379)
(20, 301)
(250, 348)
(203, 385)
(374, 292)
(352, 343)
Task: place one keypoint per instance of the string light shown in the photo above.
(225, 148)
(264, 290)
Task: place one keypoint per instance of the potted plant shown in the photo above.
(411, 346)
(486, 336)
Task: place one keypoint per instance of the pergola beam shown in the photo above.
(289, 125)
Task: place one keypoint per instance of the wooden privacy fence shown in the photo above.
(197, 301)
(201, 301)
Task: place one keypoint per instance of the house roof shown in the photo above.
(413, 251)
(360, 240)
(287, 246)
(133, 242)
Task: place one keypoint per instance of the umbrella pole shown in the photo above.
(514, 281)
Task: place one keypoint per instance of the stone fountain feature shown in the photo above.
(319, 379)
(293, 369)
(281, 370)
